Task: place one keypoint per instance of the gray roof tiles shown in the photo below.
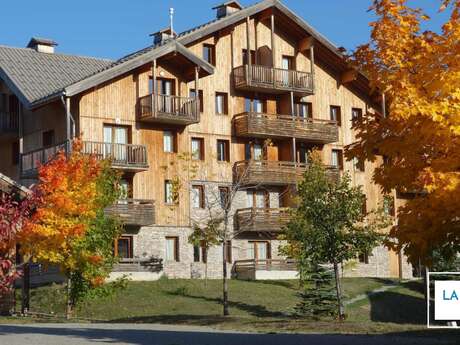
(39, 75)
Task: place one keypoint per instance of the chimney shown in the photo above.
(227, 8)
(162, 35)
(42, 45)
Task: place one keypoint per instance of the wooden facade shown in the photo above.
(250, 50)
(133, 212)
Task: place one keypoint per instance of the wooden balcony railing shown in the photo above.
(9, 123)
(275, 80)
(169, 109)
(261, 219)
(123, 156)
(273, 172)
(133, 212)
(32, 160)
(265, 265)
(260, 125)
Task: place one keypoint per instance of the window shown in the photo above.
(245, 57)
(198, 196)
(200, 253)
(259, 250)
(198, 149)
(169, 199)
(288, 62)
(337, 159)
(126, 188)
(356, 114)
(209, 53)
(223, 151)
(228, 251)
(115, 135)
(48, 138)
(304, 110)
(221, 103)
(359, 164)
(363, 258)
(15, 153)
(389, 205)
(124, 247)
(200, 97)
(336, 114)
(172, 249)
(257, 199)
(224, 193)
(169, 139)
(254, 105)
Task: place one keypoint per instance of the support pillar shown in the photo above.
(154, 87)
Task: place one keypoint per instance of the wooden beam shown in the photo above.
(248, 43)
(272, 30)
(306, 43)
(154, 86)
(265, 14)
(349, 76)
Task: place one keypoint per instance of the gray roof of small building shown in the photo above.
(40, 75)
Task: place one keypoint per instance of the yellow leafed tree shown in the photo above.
(419, 74)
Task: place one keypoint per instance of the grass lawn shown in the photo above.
(263, 306)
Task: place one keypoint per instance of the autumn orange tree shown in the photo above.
(419, 138)
(69, 227)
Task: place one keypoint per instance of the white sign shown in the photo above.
(446, 300)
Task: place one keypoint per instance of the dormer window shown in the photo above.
(227, 8)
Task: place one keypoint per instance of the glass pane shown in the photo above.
(258, 106)
(170, 246)
(121, 135)
(196, 149)
(247, 104)
(196, 197)
(249, 199)
(168, 192)
(251, 251)
(168, 141)
(247, 152)
(260, 199)
(286, 63)
(335, 158)
(107, 134)
(219, 104)
(123, 248)
(257, 152)
(261, 250)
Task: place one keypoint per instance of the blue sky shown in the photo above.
(113, 28)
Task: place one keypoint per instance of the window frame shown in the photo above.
(201, 152)
(359, 111)
(192, 93)
(130, 240)
(211, 49)
(338, 114)
(226, 150)
(168, 194)
(309, 106)
(339, 158)
(255, 250)
(176, 248)
(224, 97)
(201, 196)
(173, 141)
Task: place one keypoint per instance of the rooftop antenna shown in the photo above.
(171, 20)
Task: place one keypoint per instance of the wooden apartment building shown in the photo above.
(209, 100)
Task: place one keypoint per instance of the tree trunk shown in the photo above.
(225, 283)
(25, 291)
(339, 291)
(69, 308)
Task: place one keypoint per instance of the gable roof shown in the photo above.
(33, 76)
(9, 186)
(136, 60)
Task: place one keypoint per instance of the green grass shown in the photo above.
(264, 305)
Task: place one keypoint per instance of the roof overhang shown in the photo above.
(9, 186)
(171, 47)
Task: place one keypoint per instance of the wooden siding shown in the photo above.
(133, 212)
(261, 125)
(261, 219)
(9, 123)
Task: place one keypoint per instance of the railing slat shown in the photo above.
(169, 107)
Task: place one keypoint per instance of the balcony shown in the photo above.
(123, 156)
(273, 172)
(9, 124)
(261, 219)
(169, 109)
(133, 212)
(260, 125)
(268, 269)
(272, 80)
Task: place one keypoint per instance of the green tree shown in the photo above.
(329, 227)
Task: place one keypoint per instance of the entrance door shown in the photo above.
(259, 250)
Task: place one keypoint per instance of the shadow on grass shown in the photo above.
(180, 319)
(391, 306)
(254, 310)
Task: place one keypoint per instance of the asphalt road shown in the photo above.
(117, 334)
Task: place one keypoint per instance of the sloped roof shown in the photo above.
(35, 76)
(7, 185)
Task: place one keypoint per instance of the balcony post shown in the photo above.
(293, 119)
(67, 117)
(273, 39)
(312, 66)
(154, 86)
(197, 93)
(248, 51)
(21, 138)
